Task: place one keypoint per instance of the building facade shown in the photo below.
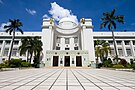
(68, 43)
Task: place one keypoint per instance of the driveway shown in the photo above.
(67, 79)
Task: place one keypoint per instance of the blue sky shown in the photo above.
(31, 12)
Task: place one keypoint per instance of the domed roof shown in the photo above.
(66, 19)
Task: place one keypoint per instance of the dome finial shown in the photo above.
(51, 20)
(83, 20)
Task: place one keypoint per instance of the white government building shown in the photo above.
(69, 43)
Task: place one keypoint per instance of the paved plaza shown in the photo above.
(67, 79)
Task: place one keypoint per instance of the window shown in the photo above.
(16, 42)
(112, 51)
(6, 52)
(7, 42)
(133, 42)
(118, 42)
(1, 42)
(66, 48)
(58, 39)
(126, 42)
(75, 40)
(66, 40)
(110, 42)
(120, 51)
(57, 48)
(128, 50)
(76, 48)
(14, 51)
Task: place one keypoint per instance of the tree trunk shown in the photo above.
(97, 61)
(30, 57)
(115, 49)
(12, 42)
(27, 56)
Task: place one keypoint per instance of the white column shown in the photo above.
(75, 60)
(52, 33)
(82, 36)
(132, 48)
(51, 39)
(124, 48)
(89, 43)
(71, 43)
(18, 53)
(62, 44)
(2, 48)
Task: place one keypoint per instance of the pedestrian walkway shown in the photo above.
(67, 79)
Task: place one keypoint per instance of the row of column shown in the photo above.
(124, 47)
(71, 44)
(3, 46)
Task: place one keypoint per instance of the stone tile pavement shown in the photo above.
(67, 79)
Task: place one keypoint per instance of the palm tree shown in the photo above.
(97, 53)
(110, 19)
(106, 49)
(26, 47)
(102, 48)
(31, 45)
(11, 28)
(37, 50)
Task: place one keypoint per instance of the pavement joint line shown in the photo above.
(112, 80)
(21, 76)
(43, 80)
(33, 79)
(55, 80)
(90, 81)
(66, 79)
(19, 80)
(78, 80)
(115, 77)
(105, 79)
(101, 81)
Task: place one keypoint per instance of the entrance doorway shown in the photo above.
(78, 61)
(55, 60)
(67, 61)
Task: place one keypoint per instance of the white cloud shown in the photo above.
(1, 1)
(2, 26)
(32, 12)
(46, 16)
(57, 12)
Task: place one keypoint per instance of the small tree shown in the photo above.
(110, 19)
(12, 27)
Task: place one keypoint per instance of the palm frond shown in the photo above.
(10, 31)
(110, 26)
(7, 30)
(114, 24)
(7, 26)
(112, 13)
(20, 30)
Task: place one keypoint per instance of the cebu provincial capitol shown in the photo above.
(68, 43)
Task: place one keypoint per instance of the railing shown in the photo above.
(67, 52)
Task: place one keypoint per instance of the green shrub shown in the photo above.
(107, 63)
(133, 66)
(15, 63)
(2, 65)
(123, 62)
(25, 64)
(128, 66)
(118, 66)
(99, 65)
